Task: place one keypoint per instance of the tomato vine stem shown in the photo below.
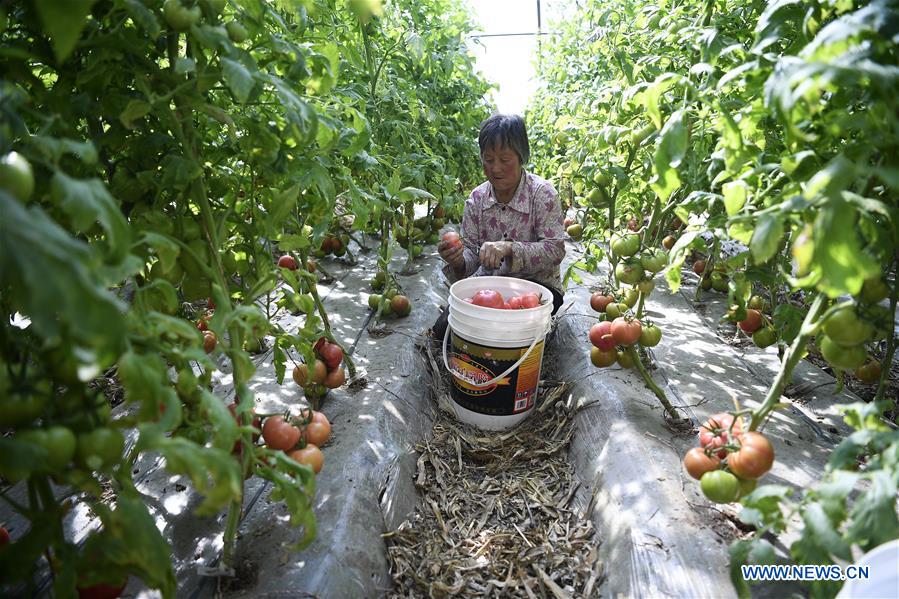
(794, 353)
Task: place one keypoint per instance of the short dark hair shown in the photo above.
(505, 131)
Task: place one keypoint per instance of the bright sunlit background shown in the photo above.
(508, 61)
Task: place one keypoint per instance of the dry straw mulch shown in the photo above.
(495, 517)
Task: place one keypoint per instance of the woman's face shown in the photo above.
(502, 169)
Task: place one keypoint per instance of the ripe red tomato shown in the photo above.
(754, 458)
(317, 433)
(514, 303)
(4, 536)
(599, 301)
(601, 336)
(288, 262)
(101, 591)
(669, 242)
(452, 238)
(209, 342)
(697, 462)
(626, 331)
(336, 378)
(310, 456)
(331, 354)
(869, 373)
(752, 322)
(279, 434)
(488, 298)
(699, 267)
(568, 222)
(530, 300)
(400, 305)
(718, 432)
(210, 304)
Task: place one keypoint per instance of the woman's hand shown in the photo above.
(493, 252)
(453, 254)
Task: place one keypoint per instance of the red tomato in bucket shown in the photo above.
(530, 300)
(488, 298)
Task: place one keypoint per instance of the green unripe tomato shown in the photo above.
(373, 300)
(720, 486)
(100, 449)
(16, 176)
(650, 336)
(178, 16)
(874, 290)
(842, 357)
(719, 282)
(629, 271)
(844, 327)
(236, 31)
(764, 337)
(626, 244)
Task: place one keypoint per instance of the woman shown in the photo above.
(512, 223)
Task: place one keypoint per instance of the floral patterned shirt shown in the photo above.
(532, 220)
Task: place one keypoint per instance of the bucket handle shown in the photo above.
(501, 376)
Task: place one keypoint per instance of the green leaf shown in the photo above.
(819, 540)
(762, 508)
(128, 542)
(167, 250)
(748, 552)
(413, 193)
(669, 153)
(55, 148)
(224, 426)
(873, 519)
(788, 321)
(87, 201)
(284, 202)
(295, 485)
(63, 20)
(832, 179)
(214, 472)
(143, 17)
(238, 78)
(178, 172)
(839, 253)
(135, 110)
(50, 277)
(766, 238)
(651, 96)
(735, 194)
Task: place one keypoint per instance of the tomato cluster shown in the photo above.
(849, 326)
(728, 460)
(300, 438)
(394, 303)
(326, 371)
(491, 298)
(757, 324)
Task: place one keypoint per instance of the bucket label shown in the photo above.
(477, 363)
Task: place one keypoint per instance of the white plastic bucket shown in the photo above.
(495, 356)
(881, 574)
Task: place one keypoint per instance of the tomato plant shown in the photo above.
(200, 130)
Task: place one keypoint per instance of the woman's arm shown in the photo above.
(548, 250)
